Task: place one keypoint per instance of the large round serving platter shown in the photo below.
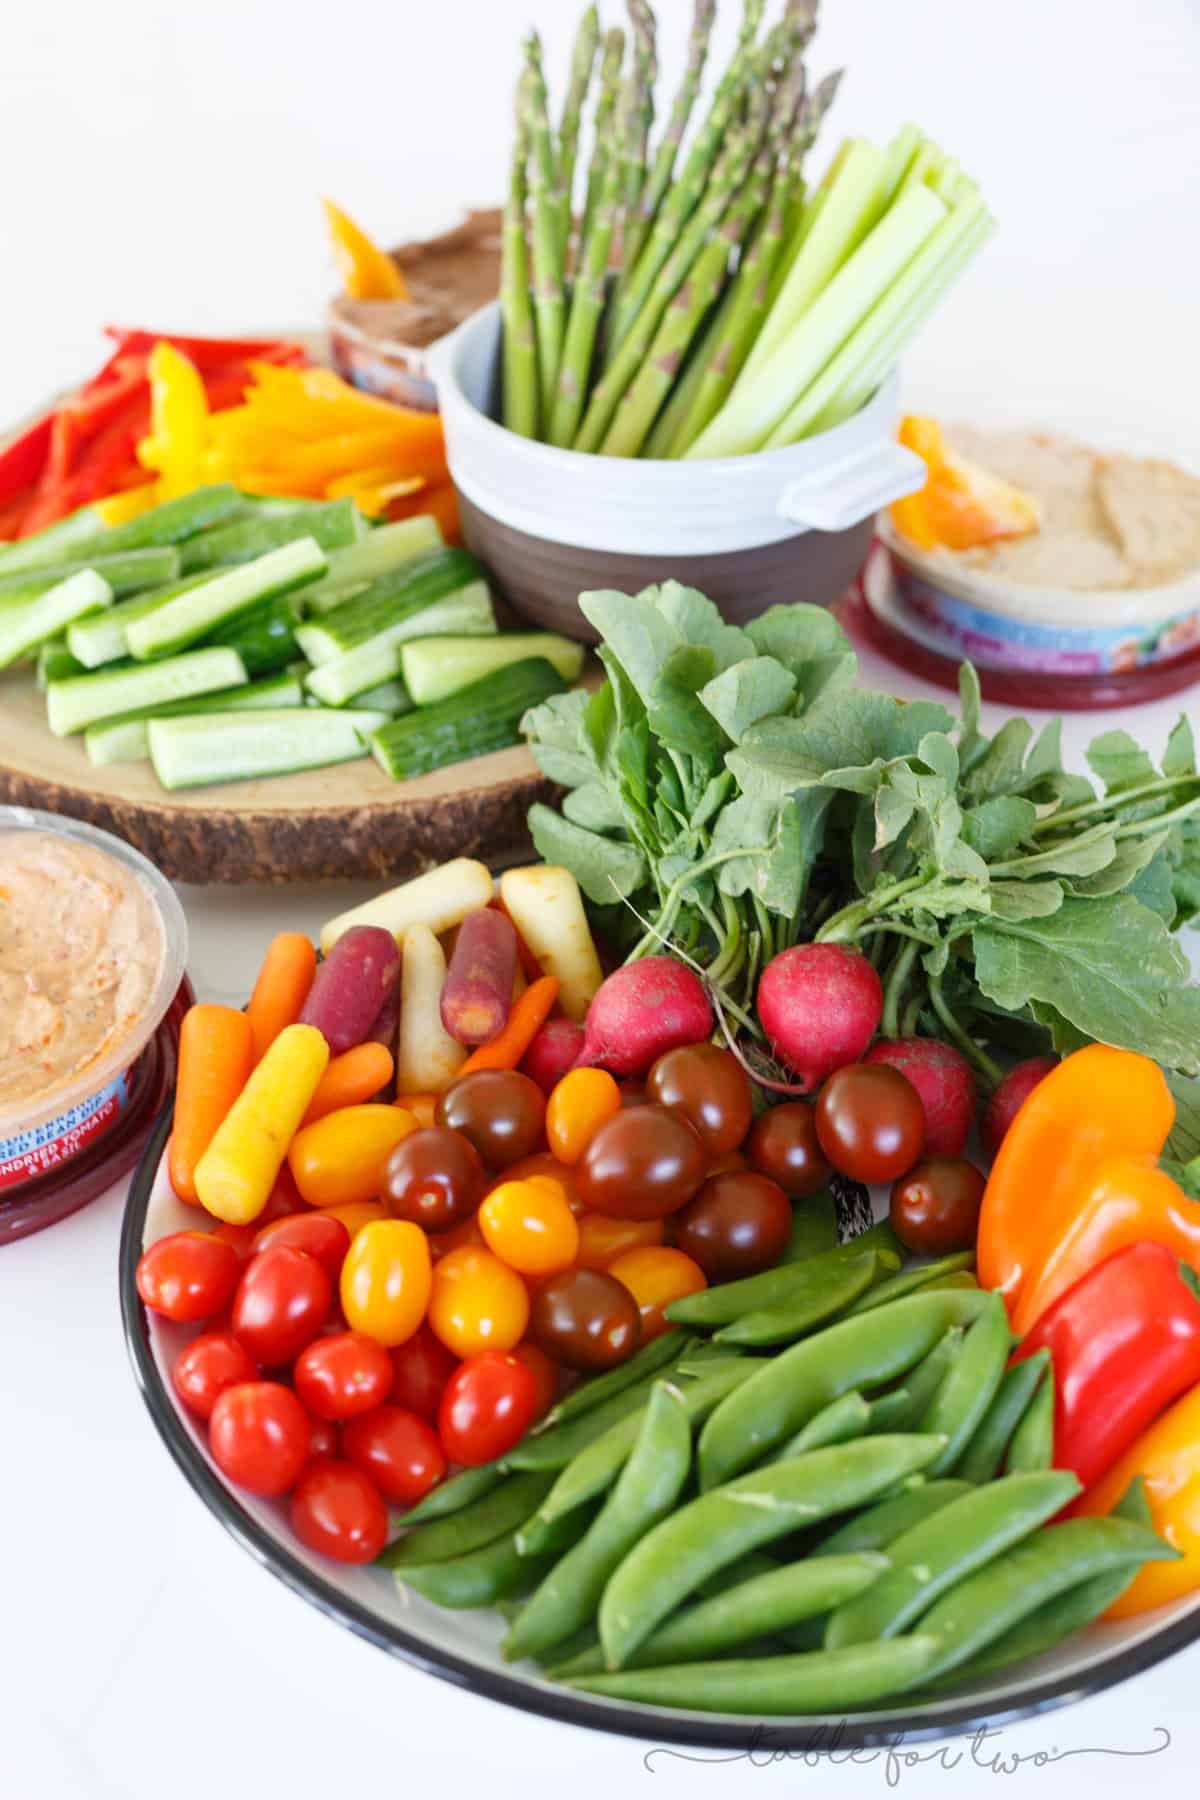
(464, 1647)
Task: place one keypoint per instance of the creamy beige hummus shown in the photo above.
(81, 947)
(1107, 520)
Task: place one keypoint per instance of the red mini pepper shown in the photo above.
(1124, 1342)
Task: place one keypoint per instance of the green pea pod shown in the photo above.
(1032, 1443)
(451, 1496)
(671, 1561)
(913, 1279)
(597, 1466)
(813, 1300)
(879, 1236)
(857, 1352)
(922, 1383)
(646, 1490)
(554, 1449)
(880, 1525)
(932, 1556)
(846, 1418)
(1054, 1560)
(652, 1357)
(494, 1516)
(757, 1293)
(814, 1228)
(969, 1388)
(984, 1453)
(890, 1412)
(818, 1681)
(958, 1278)
(478, 1579)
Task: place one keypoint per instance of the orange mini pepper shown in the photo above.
(1168, 1457)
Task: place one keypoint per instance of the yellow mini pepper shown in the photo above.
(1168, 1457)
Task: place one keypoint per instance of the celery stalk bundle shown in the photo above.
(694, 297)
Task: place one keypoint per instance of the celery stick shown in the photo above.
(755, 409)
(924, 169)
(902, 150)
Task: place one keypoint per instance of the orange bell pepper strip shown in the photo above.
(367, 272)
(1167, 1456)
(1097, 1104)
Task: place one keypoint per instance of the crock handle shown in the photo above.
(846, 492)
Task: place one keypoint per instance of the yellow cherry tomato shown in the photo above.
(601, 1239)
(478, 1303)
(656, 1275)
(529, 1226)
(386, 1281)
(577, 1107)
(342, 1156)
(355, 1214)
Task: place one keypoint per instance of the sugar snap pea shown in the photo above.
(969, 1387)
(880, 1525)
(479, 1578)
(891, 1411)
(671, 1561)
(646, 1490)
(495, 1515)
(847, 1417)
(788, 1389)
(451, 1496)
(923, 1382)
(1032, 1443)
(652, 1357)
(913, 1279)
(879, 1236)
(977, 1610)
(554, 1449)
(814, 1228)
(985, 1449)
(826, 1291)
(958, 1278)
(755, 1293)
(930, 1557)
(815, 1681)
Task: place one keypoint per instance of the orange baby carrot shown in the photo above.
(529, 1013)
(281, 989)
(355, 1076)
(216, 1054)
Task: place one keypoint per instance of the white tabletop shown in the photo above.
(169, 166)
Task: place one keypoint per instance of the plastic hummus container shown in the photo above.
(93, 944)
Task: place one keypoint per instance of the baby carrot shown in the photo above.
(354, 1076)
(235, 1175)
(281, 989)
(215, 1057)
(528, 1014)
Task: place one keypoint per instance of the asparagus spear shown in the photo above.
(588, 297)
(637, 230)
(610, 86)
(644, 70)
(682, 398)
(583, 58)
(520, 344)
(548, 300)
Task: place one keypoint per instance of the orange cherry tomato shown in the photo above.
(656, 1275)
(547, 1167)
(423, 1108)
(529, 1226)
(477, 1303)
(578, 1104)
(464, 1236)
(354, 1214)
(342, 1157)
(601, 1239)
(545, 1374)
(386, 1281)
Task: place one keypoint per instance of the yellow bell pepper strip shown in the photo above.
(1167, 1456)
(380, 476)
(178, 422)
(235, 1175)
(1098, 1104)
(118, 508)
(367, 272)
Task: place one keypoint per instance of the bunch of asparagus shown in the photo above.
(704, 303)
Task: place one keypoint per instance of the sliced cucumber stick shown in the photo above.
(61, 542)
(125, 738)
(380, 552)
(100, 638)
(80, 701)
(55, 663)
(193, 615)
(389, 697)
(23, 628)
(126, 572)
(478, 719)
(467, 612)
(193, 752)
(335, 524)
(435, 667)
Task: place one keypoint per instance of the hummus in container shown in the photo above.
(92, 950)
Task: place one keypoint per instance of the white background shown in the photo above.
(161, 167)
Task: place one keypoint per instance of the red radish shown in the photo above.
(944, 1079)
(819, 1005)
(351, 986)
(553, 1052)
(640, 1012)
(1009, 1098)
(478, 990)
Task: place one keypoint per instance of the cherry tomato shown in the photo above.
(488, 1406)
(189, 1275)
(738, 1223)
(283, 1200)
(935, 1207)
(585, 1319)
(242, 1237)
(400, 1452)
(641, 1164)
(386, 1281)
(435, 1178)
(477, 1303)
(577, 1106)
(467, 1236)
(341, 1157)
(655, 1276)
(529, 1226)
(601, 1238)
(783, 1146)
(420, 1370)
(544, 1372)
(258, 1434)
(207, 1366)
(339, 1377)
(281, 1303)
(543, 1166)
(326, 1240)
(322, 1438)
(500, 1110)
(338, 1511)
(708, 1087)
(870, 1121)
(355, 1214)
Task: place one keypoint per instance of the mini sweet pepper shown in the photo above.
(1167, 1456)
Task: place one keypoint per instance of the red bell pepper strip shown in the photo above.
(1124, 1341)
(22, 461)
(106, 457)
(207, 353)
(93, 407)
(12, 513)
(51, 501)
